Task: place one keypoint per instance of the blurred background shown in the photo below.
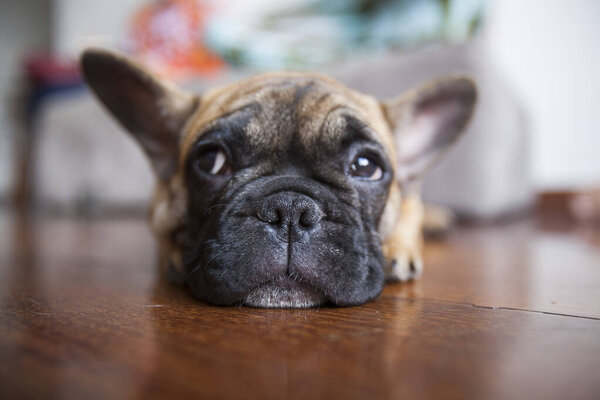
(535, 132)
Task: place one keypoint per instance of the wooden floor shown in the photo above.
(504, 312)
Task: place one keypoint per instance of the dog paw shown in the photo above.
(437, 220)
(406, 267)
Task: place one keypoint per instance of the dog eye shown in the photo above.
(214, 162)
(365, 168)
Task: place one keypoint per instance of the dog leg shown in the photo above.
(404, 247)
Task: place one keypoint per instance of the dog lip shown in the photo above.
(284, 292)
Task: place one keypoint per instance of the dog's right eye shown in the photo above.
(365, 168)
(214, 162)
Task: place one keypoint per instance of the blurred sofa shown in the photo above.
(85, 163)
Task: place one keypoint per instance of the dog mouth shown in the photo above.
(284, 292)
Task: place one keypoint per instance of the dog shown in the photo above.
(285, 189)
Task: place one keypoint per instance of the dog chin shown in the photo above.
(284, 293)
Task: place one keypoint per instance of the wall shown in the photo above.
(78, 24)
(548, 50)
(24, 26)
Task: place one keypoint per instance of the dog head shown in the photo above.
(282, 189)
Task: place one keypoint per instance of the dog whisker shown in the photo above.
(196, 268)
(193, 271)
(214, 206)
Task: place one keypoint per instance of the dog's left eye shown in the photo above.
(365, 168)
(214, 162)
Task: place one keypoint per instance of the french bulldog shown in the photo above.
(285, 189)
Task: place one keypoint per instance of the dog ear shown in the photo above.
(155, 112)
(426, 121)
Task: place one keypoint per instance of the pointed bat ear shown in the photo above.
(427, 120)
(154, 112)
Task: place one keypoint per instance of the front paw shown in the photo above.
(407, 265)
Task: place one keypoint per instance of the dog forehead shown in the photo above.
(277, 102)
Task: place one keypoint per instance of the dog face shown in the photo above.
(280, 190)
(286, 186)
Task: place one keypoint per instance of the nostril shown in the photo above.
(309, 218)
(269, 215)
(274, 217)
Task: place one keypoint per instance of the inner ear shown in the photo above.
(427, 120)
(154, 112)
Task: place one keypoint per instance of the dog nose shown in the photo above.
(290, 213)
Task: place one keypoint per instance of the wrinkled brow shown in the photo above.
(235, 121)
(356, 130)
(344, 128)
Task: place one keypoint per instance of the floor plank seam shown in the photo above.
(505, 308)
(534, 311)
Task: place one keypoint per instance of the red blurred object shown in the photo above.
(45, 69)
(167, 35)
(45, 75)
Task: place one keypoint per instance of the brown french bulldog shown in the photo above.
(285, 189)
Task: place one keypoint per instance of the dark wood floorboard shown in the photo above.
(502, 312)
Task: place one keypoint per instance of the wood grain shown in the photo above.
(509, 311)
